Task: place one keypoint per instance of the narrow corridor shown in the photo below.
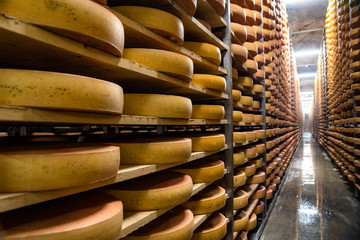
(315, 202)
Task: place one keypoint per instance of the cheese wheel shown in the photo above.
(155, 191)
(256, 105)
(81, 216)
(272, 187)
(240, 199)
(252, 48)
(239, 137)
(258, 162)
(213, 82)
(259, 193)
(258, 88)
(245, 81)
(258, 118)
(238, 158)
(210, 142)
(167, 62)
(176, 224)
(203, 170)
(235, 74)
(246, 100)
(157, 105)
(205, 24)
(153, 150)
(251, 136)
(214, 227)
(260, 59)
(239, 178)
(248, 118)
(205, 50)
(251, 34)
(218, 5)
(252, 222)
(240, 52)
(260, 148)
(215, 112)
(47, 166)
(259, 208)
(83, 21)
(237, 116)
(251, 66)
(239, 31)
(208, 200)
(236, 95)
(50, 90)
(249, 169)
(188, 5)
(238, 14)
(257, 178)
(160, 22)
(241, 219)
(250, 17)
(269, 194)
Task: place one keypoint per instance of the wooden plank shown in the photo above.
(137, 35)
(251, 206)
(199, 219)
(24, 115)
(207, 13)
(251, 189)
(30, 47)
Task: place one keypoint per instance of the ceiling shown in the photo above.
(304, 15)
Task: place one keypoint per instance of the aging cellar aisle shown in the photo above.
(314, 202)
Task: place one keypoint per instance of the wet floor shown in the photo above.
(315, 202)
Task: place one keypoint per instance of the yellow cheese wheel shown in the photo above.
(81, 216)
(214, 227)
(237, 116)
(239, 137)
(251, 66)
(267, 106)
(157, 105)
(205, 50)
(241, 219)
(239, 31)
(248, 118)
(50, 90)
(260, 148)
(252, 48)
(210, 142)
(205, 24)
(258, 118)
(240, 199)
(256, 105)
(239, 178)
(207, 200)
(257, 178)
(203, 170)
(160, 22)
(83, 21)
(46, 166)
(258, 163)
(153, 150)
(213, 82)
(260, 59)
(259, 193)
(218, 5)
(258, 88)
(154, 191)
(259, 208)
(246, 81)
(238, 14)
(238, 158)
(178, 223)
(236, 95)
(251, 34)
(167, 62)
(214, 112)
(252, 222)
(240, 52)
(246, 100)
(251, 136)
(249, 169)
(269, 194)
(235, 74)
(250, 17)
(188, 5)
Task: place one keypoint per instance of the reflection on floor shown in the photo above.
(315, 202)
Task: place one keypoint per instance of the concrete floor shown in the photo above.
(315, 202)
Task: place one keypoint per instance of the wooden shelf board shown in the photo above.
(29, 47)
(251, 206)
(242, 124)
(194, 30)
(199, 219)
(207, 13)
(9, 201)
(24, 115)
(137, 35)
(253, 188)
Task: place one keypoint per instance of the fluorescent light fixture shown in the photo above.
(305, 53)
(306, 75)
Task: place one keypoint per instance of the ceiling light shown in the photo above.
(306, 75)
(307, 53)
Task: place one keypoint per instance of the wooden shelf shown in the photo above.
(137, 35)
(252, 189)
(207, 13)
(27, 116)
(242, 124)
(245, 108)
(251, 206)
(10, 201)
(199, 219)
(194, 30)
(26, 46)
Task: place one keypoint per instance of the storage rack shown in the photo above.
(26, 46)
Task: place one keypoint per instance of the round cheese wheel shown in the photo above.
(205, 24)
(167, 62)
(237, 116)
(234, 74)
(238, 14)
(250, 152)
(154, 191)
(238, 158)
(213, 82)
(258, 88)
(251, 34)
(269, 194)
(157, 105)
(214, 227)
(83, 21)
(215, 112)
(205, 50)
(239, 178)
(246, 100)
(259, 208)
(256, 105)
(47, 166)
(272, 187)
(240, 199)
(258, 178)
(210, 142)
(208, 200)
(260, 134)
(239, 31)
(239, 137)
(251, 136)
(241, 219)
(236, 95)
(160, 22)
(258, 162)
(153, 150)
(248, 118)
(251, 66)
(259, 193)
(177, 223)
(245, 81)
(250, 17)
(277, 180)
(203, 170)
(80, 216)
(240, 52)
(188, 5)
(249, 169)
(258, 118)
(252, 48)
(252, 222)
(260, 59)
(218, 5)
(50, 90)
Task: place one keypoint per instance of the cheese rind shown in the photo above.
(51, 90)
(83, 21)
(210, 142)
(237, 116)
(239, 178)
(241, 219)
(38, 167)
(240, 199)
(167, 62)
(212, 112)
(213, 82)
(214, 227)
(205, 50)
(157, 105)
